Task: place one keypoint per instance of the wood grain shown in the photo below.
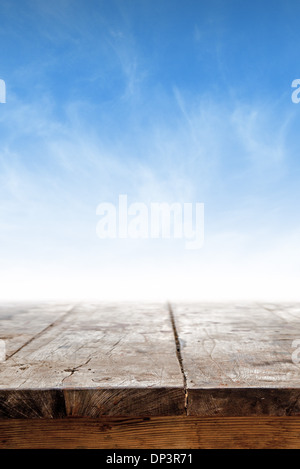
(20, 323)
(94, 360)
(98, 360)
(237, 359)
(153, 433)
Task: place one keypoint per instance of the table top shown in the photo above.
(132, 359)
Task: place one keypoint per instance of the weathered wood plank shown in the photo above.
(120, 360)
(107, 360)
(288, 309)
(237, 360)
(20, 323)
(153, 433)
(61, 403)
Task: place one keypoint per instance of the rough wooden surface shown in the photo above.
(237, 359)
(94, 360)
(153, 433)
(20, 323)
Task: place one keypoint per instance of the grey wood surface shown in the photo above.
(142, 360)
(237, 359)
(20, 323)
(94, 360)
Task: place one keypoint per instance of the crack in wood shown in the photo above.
(73, 370)
(128, 360)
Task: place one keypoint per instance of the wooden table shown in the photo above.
(150, 376)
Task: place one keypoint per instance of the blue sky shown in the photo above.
(166, 101)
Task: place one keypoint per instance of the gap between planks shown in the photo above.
(39, 334)
(179, 356)
(176, 342)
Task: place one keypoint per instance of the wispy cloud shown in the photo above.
(93, 113)
(48, 203)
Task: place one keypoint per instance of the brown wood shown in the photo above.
(60, 403)
(153, 433)
(237, 359)
(149, 376)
